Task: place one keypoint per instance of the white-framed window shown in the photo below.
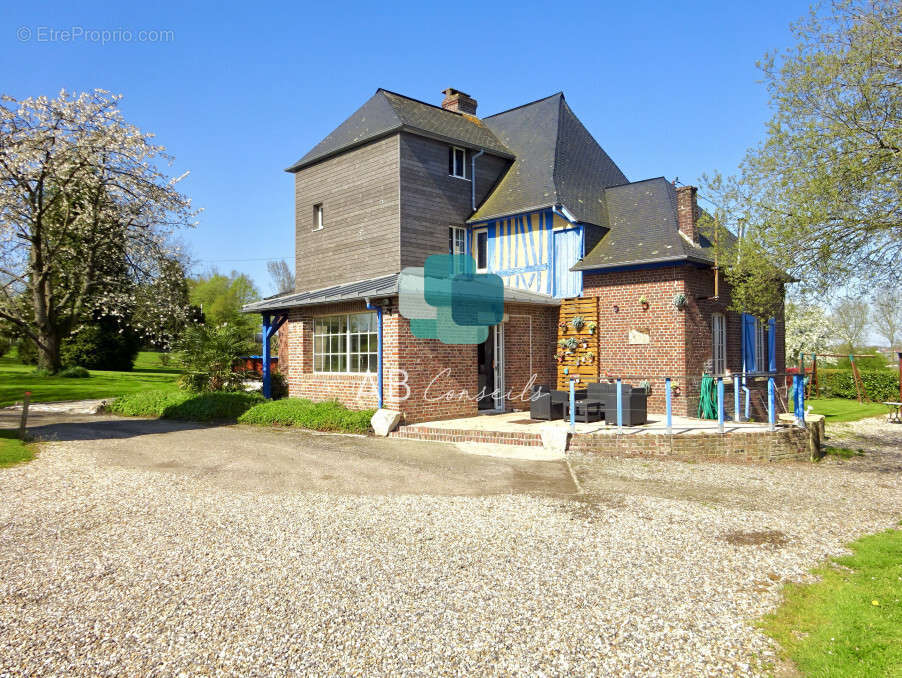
(761, 361)
(457, 162)
(345, 343)
(719, 337)
(457, 240)
(482, 250)
(318, 217)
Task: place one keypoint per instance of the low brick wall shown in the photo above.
(782, 444)
(454, 435)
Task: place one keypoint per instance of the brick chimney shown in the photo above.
(459, 102)
(687, 212)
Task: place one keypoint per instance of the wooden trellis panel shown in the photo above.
(576, 363)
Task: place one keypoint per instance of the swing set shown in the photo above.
(856, 375)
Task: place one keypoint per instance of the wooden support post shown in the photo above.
(814, 383)
(23, 422)
(899, 355)
(859, 384)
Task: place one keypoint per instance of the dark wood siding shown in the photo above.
(360, 239)
(431, 200)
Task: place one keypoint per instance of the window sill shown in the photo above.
(341, 374)
(454, 176)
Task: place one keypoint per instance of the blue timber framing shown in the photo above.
(270, 327)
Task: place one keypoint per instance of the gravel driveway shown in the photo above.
(130, 549)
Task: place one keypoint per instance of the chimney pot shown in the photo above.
(687, 212)
(458, 102)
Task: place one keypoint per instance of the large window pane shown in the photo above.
(345, 343)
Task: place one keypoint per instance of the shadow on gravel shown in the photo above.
(271, 460)
(62, 428)
(878, 457)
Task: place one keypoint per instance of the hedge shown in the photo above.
(880, 385)
(219, 406)
(329, 415)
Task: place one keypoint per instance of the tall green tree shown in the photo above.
(821, 196)
(221, 297)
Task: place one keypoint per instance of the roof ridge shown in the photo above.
(557, 149)
(640, 181)
(419, 101)
(559, 93)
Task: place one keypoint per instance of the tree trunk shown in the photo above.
(49, 350)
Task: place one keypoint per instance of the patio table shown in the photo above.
(585, 408)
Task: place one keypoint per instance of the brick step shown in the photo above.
(450, 435)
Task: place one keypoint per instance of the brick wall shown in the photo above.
(619, 311)
(436, 374)
(424, 378)
(680, 342)
(530, 334)
(780, 445)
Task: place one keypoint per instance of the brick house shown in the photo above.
(532, 197)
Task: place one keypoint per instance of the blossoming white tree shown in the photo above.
(86, 218)
(808, 329)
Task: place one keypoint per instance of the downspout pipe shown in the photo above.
(378, 310)
(473, 178)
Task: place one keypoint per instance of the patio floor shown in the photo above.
(519, 422)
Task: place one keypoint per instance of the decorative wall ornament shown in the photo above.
(679, 301)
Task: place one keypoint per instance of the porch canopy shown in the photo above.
(275, 309)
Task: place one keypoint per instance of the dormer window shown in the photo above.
(457, 162)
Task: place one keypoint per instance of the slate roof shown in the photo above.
(384, 286)
(388, 113)
(644, 229)
(557, 163)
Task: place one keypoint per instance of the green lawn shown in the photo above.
(839, 409)
(13, 450)
(148, 374)
(850, 622)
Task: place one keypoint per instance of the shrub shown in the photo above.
(74, 372)
(27, 351)
(207, 353)
(101, 345)
(183, 405)
(278, 385)
(329, 415)
(879, 385)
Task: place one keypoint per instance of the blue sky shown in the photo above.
(240, 91)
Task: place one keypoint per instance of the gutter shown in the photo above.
(473, 178)
(378, 310)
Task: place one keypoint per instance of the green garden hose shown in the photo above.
(707, 402)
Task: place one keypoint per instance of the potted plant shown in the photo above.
(563, 325)
(679, 301)
(643, 301)
(571, 343)
(590, 357)
(591, 325)
(577, 323)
